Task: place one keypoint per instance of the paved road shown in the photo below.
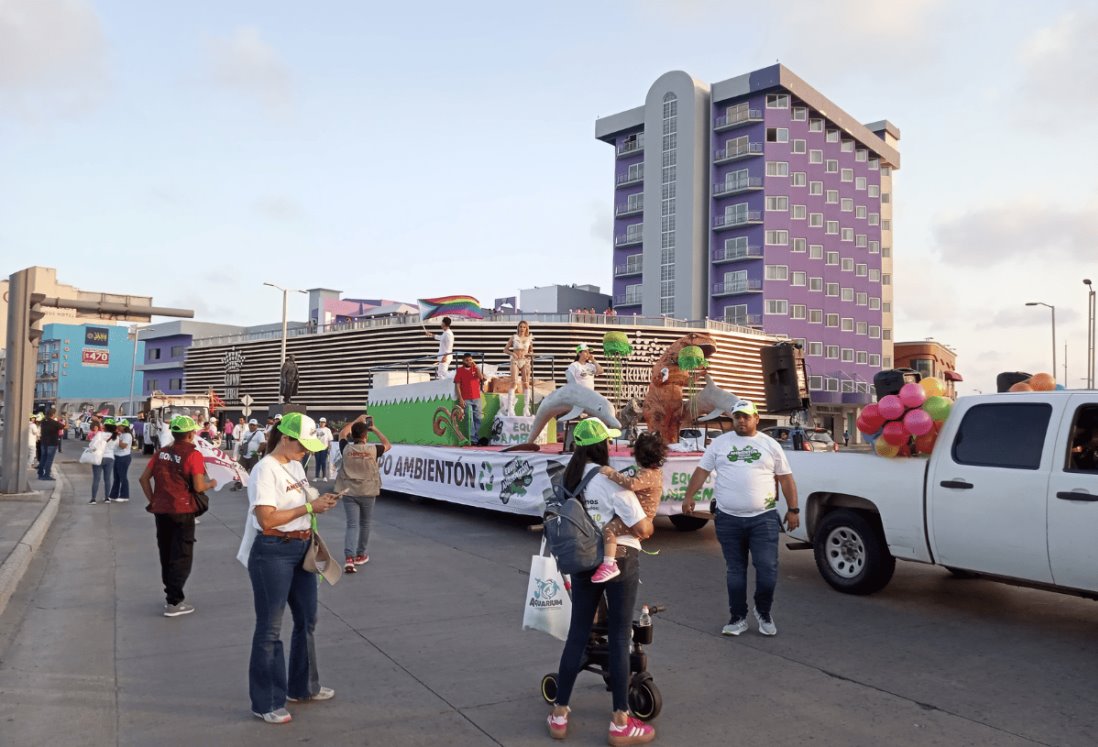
(425, 647)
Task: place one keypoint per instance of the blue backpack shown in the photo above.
(571, 535)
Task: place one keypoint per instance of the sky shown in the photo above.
(192, 151)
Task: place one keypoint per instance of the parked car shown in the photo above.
(696, 439)
(812, 439)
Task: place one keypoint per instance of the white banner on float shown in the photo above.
(513, 482)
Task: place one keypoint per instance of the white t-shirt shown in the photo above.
(35, 434)
(123, 445)
(324, 435)
(445, 343)
(272, 483)
(101, 445)
(606, 499)
(250, 442)
(745, 470)
(581, 373)
(238, 431)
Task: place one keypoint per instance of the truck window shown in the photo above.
(1003, 435)
(1083, 447)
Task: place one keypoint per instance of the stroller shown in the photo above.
(645, 700)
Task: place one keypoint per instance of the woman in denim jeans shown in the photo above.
(604, 500)
(123, 455)
(359, 480)
(105, 468)
(281, 503)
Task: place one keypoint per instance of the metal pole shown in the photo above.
(283, 359)
(1090, 348)
(1053, 341)
(133, 368)
(19, 385)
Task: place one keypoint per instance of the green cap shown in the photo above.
(303, 428)
(123, 422)
(745, 406)
(593, 431)
(581, 347)
(108, 421)
(183, 424)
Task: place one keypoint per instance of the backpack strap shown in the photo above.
(583, 486)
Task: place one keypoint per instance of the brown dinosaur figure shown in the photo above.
(663, 405)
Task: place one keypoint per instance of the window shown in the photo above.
(873, 190)
(832, 320)
(815, 156)
(815, 284)
(815, 348)
(800, 113)
(885, 198)
(860, 212)
(874, 219)
(861, 299)
(846, 294)
(833, 258)
(860, 328)
(832, 227)
(798, 179)
(777, 307)
(815, 382)
(797, 311)
(847, 234)
(874, 164)
(153, 354)
(777, 101)
(816, 220)
(831, 166)
(874, 247)
(800, 212)
(886, 252)
(833, 351)
(815, 316)
(846, 175)
(178, 350)
(874, 304)
(777, 272)
(875, 360)
(861, 270)
(815, 251)
(859, 183)
(777, 168)
(886, 278)
(860, 358)
(777, 238)
(175, 384)
(832, 136)
(736, 314)
(860, 155)
(847, 355)
(886, 334)
(846, 205)
(874, 276)
(887, 362)
(875, 331)
(777, 135)
(832, 197)
(886, 171)
(800, 245)
(777, 203)
(980, 440)
(799, 278)
(847, 324)
(847, 146)
(815, 188)
(815, 125)
(799, 146)
(832, 290)
(860, 240)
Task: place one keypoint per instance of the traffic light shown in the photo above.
(35, 314)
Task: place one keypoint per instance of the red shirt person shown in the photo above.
(467, 382)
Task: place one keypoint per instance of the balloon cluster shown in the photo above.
(617, 348)
(908, 422)
(1038, 382)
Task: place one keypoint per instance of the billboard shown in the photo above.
(93, 357)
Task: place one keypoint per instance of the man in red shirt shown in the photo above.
(467, 383)
(170, 480)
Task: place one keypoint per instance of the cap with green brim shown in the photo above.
(183, 424)
(303, 428)
(592, 431)
(746, 407)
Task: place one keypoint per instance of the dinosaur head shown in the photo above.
(670, 358)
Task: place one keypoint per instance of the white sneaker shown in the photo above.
(281, 716)
(735, 627)
(766, 624)
(325, 693)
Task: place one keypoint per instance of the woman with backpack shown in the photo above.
(604, 500)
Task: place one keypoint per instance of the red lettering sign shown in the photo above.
(92, 357)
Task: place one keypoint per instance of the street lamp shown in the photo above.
(1090, 332)
(1053, 308)
(135, 331)
(284, 292)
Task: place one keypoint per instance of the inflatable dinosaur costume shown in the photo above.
(663, 403)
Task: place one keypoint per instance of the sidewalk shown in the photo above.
(25, 518)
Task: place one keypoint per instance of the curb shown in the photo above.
(16, 564)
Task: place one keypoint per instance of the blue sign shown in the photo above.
(97, 336)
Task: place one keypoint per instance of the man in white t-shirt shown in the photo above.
(445, 349)
(324, 435)
(750, 466)
(584, 368)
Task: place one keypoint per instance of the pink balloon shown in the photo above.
(918, 422)
(891, 407)
(912, 395)
(871, 416)
(895, 433)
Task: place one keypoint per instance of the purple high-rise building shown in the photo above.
(758, 202)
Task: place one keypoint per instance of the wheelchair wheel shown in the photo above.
(644, 697)
(549, 688)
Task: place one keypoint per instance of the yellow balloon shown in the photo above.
(934, 387)
(885, 449)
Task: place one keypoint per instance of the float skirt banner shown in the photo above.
(513, 482)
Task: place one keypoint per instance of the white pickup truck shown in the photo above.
(1010, 492)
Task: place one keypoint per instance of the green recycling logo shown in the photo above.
(747, 455)
(485, 479)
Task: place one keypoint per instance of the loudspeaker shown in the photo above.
(891, 381)
(786, 389)
(1007, 379)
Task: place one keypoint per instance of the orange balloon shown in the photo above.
(925, 443)
(933, 386)
(885, 449)
(1021, 386)
(1042, 382)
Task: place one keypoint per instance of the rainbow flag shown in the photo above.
(435, 308)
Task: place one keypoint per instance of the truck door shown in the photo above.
(987, 491)
(1073, 498)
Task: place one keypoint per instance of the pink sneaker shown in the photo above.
(349, 565)
(362, 559)
(634, 731)
(605, 572)
(558, 726)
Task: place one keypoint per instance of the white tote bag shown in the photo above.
(548, 603)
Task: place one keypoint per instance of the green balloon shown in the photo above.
(691, 358)
(616, 344)
(938, 408)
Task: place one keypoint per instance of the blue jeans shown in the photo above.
(621, 598)
(104, 470)
(321, 464)
(45, 463)
(472, 416)
(359, 508)
(121, 487)
(277, 579)
(758, 535)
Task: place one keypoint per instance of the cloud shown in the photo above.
(244, 63)
(52, 58)
(279, 207)
(1023, 316)
(1059, 71)
(1023, 229)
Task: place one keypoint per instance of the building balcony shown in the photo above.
(624, 180)
(724, 189)
(723, 254)
(627, 209)
(744, 320)
(628, 239)
(729, 121)
(627, 299)
(628, 269)
(738, 287)
(631, 148)
(736, 152)
(746, 218)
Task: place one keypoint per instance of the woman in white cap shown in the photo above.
(281, 504)
(324, 435)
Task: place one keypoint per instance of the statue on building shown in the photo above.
(287, 387)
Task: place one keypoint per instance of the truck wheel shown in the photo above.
(851, 553)
(687, 523)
